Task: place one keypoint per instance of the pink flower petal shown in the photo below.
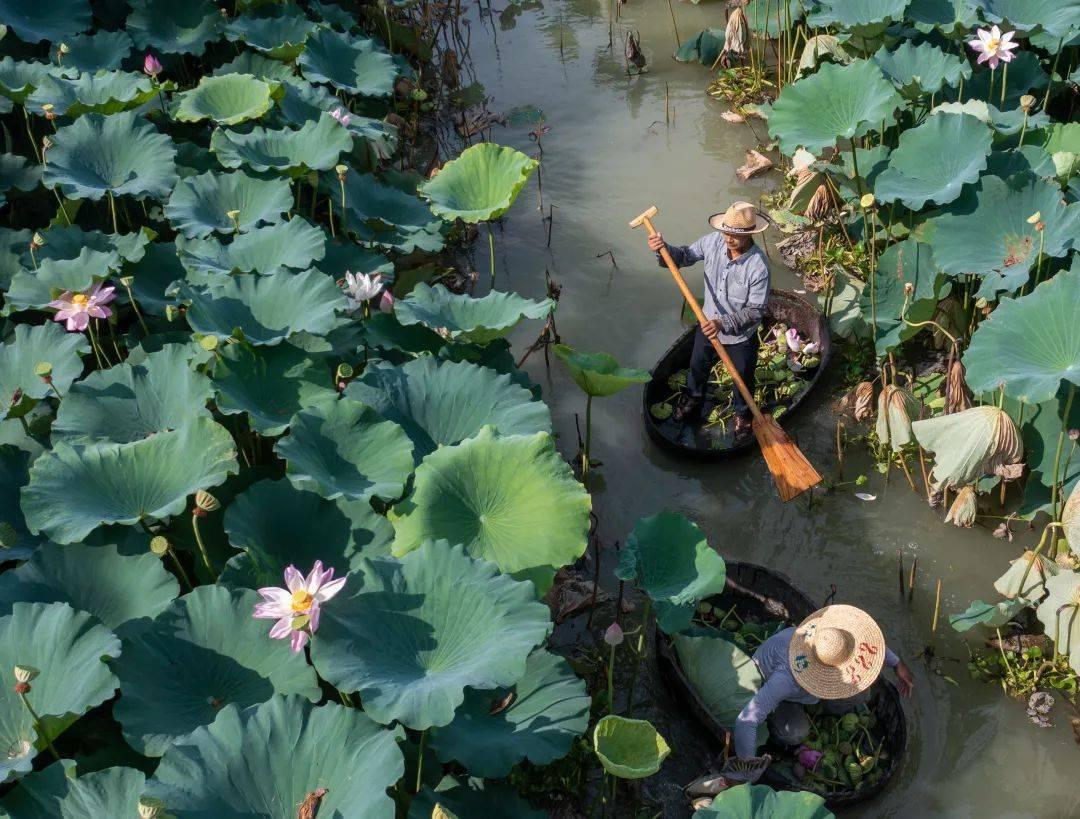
(330, 589)
(98, 312)
(78, 322)
(299, 640)
(313, 617)
(994, 61)
(983, 57)
(314, 578)
(271, 611)
(1005, 56)
(294, 581)
(274, 594)
(281, 628)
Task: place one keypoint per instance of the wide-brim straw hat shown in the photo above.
(741, 219)
(837, 652)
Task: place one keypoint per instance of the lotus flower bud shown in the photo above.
(386, 301)
(1027, 101)
(62, 50)
(207, 502)
(26, 673)
(962, 512)
(867, 201)
(151, 66)
(151, 808)
(1074, 434)
(737, 33)
(159, 545)
(864, 401)
(909, 289)
(1035, 218)
(614, 635)
(9, 538)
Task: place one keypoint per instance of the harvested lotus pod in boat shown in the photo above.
(970, 444)
(864, 400)
(957, 394)
(963, 509)
(821, 204)
(737, 33)
(896, 407)
(634, 55)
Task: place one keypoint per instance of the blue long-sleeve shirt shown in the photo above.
(771, 659)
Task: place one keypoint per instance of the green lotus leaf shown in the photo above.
(117, 588)
(276, 524)
(598, 374)
(1042, 426)
(174, 28)
(1025, 161)
(629, 748)
(549, 710)
(333, 15)
(99, 51)
(227, 99)
(258, 66)
(866, 17)
(509, 499)
(356, 65)
(491, 801)
(346, 450)
(672, 562)
(13, 245)
(316, 146)
(57, 792)
(304, 102)
(200, 205)
(1008, 585)
(277, 30)
(986, 230)
(904, 263)
(382, 205)
(705, 47)
(127, 402)
(414, 633)
(748, 801)
(14, 474)
(723, 676)
(106, 92)
(270, 384)
(950, 16)
(480, 185)
(204, 652)
(265, 761)
(404, 240)
(17, 172)
(68, 242)
(838, 102)
(1026, 74)
(970, 444)
(922, 69)
(1059, 18)
(767, 18)
(295, 243)
(346, 257)
(19, 78)
(463, 318)
(1059, 614)
(73, 490)
(34, 289)
(266, 309)
(153, 277)
(119, 154)
(31, 346)
(68, 648)
(35, 20)
(991, 615)
(1006, 123)
(1029, 344)
(444, 403)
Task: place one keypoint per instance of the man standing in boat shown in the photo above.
(736, 292)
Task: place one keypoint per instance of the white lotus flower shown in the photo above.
(361, 288)
(296, 607)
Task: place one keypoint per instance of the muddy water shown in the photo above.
(608, 156)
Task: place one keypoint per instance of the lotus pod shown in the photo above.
(864, 401)
(821, 203)
(957, 394)
(737, 33)
(963, 509)
(970, 444)
(896, 406)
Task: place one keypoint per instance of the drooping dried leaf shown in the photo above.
(896, 407)
(1008, 585)
(970, 444)
(963, 509)
(864, 401)
(957, 394)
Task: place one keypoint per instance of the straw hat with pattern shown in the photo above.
(837, 652)
(742, 219)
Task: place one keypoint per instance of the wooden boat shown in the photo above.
(716, 442)
(760, 594)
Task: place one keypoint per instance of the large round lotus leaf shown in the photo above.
(14, 473)
(629, 748)
(264, 68)
(405, 240)
(479, 185)
(356, 65)
(333, 15)
(100, 51)
(922, 69)
(68, 648)
(295, 243)
(599, 374)
(265, 761)
(722, 675)
(838, 102)
(119, 154)
(303, 102)
(316, 146)
(19, 78)
(347, 257)
(276, 524)
(512, 500)
(412, 634)
(905, 263)
(174, 28)
(670, 559)
(1059, 614)
(270, 384)
(106, 92)
(130, 402)
(549, 710)
(859, 15)
(950, 16)
(443, 403)
(31, 346)
(153, 277)
(68, 242)
(277, 30)
(266, 309)
(380, 205)
(227, 100)
(33, 289)
(1059, 18)
(463, 318)
(204, 652)
(346, 450)
(37, 20)
(491, 801)
(73, 490)
(987, 229)
(57, 793)
(200, 205)
(1029, 344)
(17, 172)
(116, 588)
(970, 444)
(748, 801)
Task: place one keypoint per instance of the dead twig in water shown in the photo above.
(900, 570)
(608, 253)
(550, 219)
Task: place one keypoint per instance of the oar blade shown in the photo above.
(790, 469)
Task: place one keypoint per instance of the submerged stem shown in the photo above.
(611, 680)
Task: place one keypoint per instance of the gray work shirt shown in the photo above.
(735, 290)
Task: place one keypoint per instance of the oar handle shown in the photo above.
(720, 351)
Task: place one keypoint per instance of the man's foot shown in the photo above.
(744, 426)
(688, 411)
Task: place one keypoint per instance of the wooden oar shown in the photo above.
(793, 473)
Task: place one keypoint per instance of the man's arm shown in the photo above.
(685, 255)
(755, 712)
(906, 680)
(748, 317)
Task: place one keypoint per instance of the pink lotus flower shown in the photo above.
(809, 758)
(340, 116)
(296, 607)
(386, 301)
(614, 635)
(151, 66)
(994, 47)
(78, 308)
(794, 343)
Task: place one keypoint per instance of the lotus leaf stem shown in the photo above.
(135, 305)
(30, 133)
(1057, 459)
(1038, 263)
(420, 760)
(180, 569)
(588, 438)
(1035, 555)
(646, 610)
(1053, 71)
(199, 541)
(38, 726)
(674, 25)
(611, 680)
(112, 210)
(94, 345)
(344, 212)
(330, 213)
(1004, 83)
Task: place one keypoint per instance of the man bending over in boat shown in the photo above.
(736, 291)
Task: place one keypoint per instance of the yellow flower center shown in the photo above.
(301, 601)
(79, 300)
(992, 45)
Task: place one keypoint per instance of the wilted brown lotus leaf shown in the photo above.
(1008, 585)
(821, 204)
(896, 407)
(962, 511)
(737, 33)
(957, 395)
(864, 401)
(970, 444)
(756, 163)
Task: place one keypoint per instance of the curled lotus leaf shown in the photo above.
(16, 173)
(153, 277)
(905, 263)
(1034, 587)
(347, 450)
(333, 15)
(227, 99)
(491, 800)
(35, 20)
(356, 65)
(265, 761)
(200, 205)
(1006, 123)
(1059, 614)
(748, 801)
(599, 374)
(99, 51)
(549, 710)
(68, 242)
(294, 244)
(669, 558)
(629, 748)
(275, 525)
(444, 403)
(316, 146)
(105, 92)
(303, 102)
(990, 615)
(970, 444)
(896, 409)
(34, 289)
(14, 474)
(344, 256)
(202, 653)
(276, 30)
(380, 205)
(917, 70)
(174, 28)
(57, 792)
(73, 490)
(480, 185)
(19, 78)
(258, 66)
(1058, 18)
(30, 346)
(464, 318)
(509, 499)
(118, 154)
(413, 634)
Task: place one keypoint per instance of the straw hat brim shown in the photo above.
(761, 224)
(857, 673)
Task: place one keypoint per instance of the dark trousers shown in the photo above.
(704, 358)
